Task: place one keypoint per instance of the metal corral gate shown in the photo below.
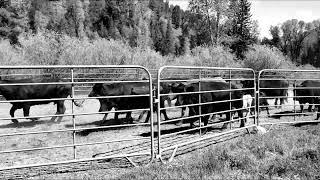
(80, 136)
(295, 88)
(173, 133)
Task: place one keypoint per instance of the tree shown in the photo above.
(169, 47)
(240, 26)
(276, 39)
(13, 21)
(213, 11)
(176, 17)
(294, 33)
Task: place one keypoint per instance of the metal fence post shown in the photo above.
(199, 97)
(230, 98)
(294, 102)
(73, 117)
(257, 94)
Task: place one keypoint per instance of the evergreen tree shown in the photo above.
(241, 25)
(13, 21)
(176, 17)
(169, 46)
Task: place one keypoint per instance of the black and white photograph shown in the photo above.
(159, 89)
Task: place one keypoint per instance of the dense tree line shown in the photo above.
(298, 40)
(160, 26)
(146, 23)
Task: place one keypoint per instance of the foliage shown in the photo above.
(214, 56)
(280, 154)
(298, 40)
(263, 57)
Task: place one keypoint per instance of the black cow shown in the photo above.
(280, 89)
(211, 97)
(39, 91)
(308, 91)
(179, 87)
(123, 103)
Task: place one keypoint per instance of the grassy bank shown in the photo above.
(284, 153)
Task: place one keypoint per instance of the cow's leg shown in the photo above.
(205, 119)
(26, 111)
(129, 117)
(225, 125)
(242, 121)
(268, 113)
(183, 109)
(192, 112)
(164, 112)
(310, 108)
(141, 115)
(61, 109)
(104, 108)
(148, 117)
(12, 110)
(116, 118)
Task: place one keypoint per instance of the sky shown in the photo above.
(274, 12)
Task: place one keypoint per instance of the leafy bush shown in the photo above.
(261, 57)
(10, 55)
(214, 56)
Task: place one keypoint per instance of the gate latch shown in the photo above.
(156, 100)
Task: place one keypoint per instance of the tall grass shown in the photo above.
(283, 154)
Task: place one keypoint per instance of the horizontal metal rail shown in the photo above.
(70, 145)
(208, 137)
(75, 98)
(74, 129)
(74, 161)
(68, 83)
(202, 92)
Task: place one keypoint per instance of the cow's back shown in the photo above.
(309, 84)
(37, 91)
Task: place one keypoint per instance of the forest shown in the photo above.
(222, 28)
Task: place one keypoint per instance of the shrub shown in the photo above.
(10, 55)
(214, 56)
(261, 57)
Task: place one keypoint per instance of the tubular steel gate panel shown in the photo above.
(80, 135)
(284, 92)
(205, 91)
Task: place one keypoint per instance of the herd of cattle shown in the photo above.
(216, 97)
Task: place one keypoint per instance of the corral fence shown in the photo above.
(286, 87)
(23, 144)
(171, 139)
(81, 136)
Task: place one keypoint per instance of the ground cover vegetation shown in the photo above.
(150, 33)
(285, 152)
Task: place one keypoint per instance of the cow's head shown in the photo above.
(185, 99)
(96, 90)
(104, 89)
